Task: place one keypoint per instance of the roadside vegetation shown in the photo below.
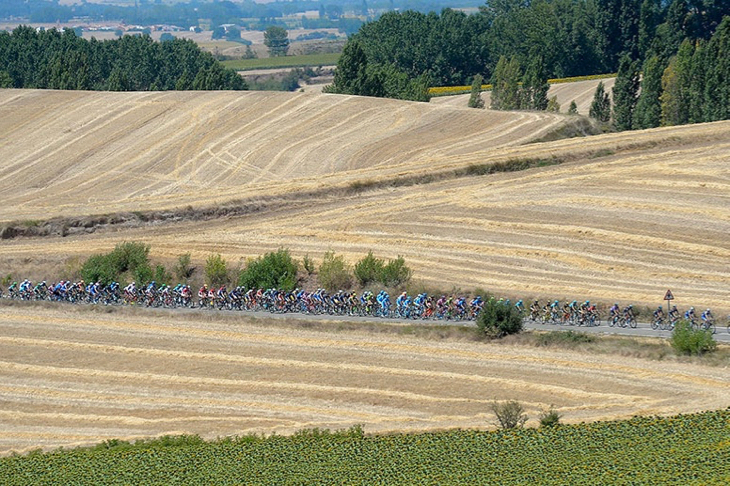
(632, 451)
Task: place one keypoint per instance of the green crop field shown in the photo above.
(310, 60)
(685, 449)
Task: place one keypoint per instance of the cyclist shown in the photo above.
(535, 310)
(674, 314)
(400, 303)
(690, 314)
(707, 317)
(614, 313)
(659, 314)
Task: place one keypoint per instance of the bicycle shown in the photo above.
(662, 324)
(707, 325)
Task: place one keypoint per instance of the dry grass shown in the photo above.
(624, 217)
(116, 152)
(77, 376)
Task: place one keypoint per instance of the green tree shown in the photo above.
(277, 40)
(273, 270)
(234, 34)
(498, 319)
(334, 273)
(625, 93)
(535, 86)
(216, 270)
(649, 18)
(717, 63)
(686, 340)
(573, 108)
(351, 74)
(505, 85)
(553, 105)
(5, 80)
(396, 273)
(601, 106)
(648, 108)
(475, 98)
(369, 269)
(184, 269)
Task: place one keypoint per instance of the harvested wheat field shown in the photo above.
(580, 91)
(623, 217)
(77, 377)
(78, 153)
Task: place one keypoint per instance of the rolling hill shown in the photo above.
(620, 217)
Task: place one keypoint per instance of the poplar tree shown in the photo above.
(475, 99)
(625, 93)
(535, 86)
(506, 85)
(648, 109)
(601, 106)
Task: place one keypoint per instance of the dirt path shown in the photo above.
(76, 377)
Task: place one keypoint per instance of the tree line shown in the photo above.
(565, 37)
(52, 59)
(689, 86)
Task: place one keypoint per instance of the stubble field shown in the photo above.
(610, 217)
(71, 377)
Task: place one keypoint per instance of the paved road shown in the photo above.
(641, 330)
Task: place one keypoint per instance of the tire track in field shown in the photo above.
(340, 367)
(80, 378)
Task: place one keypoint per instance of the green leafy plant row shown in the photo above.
(685, 449)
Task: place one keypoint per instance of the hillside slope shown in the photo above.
(624, 216)
(580, 91)
(70, 153)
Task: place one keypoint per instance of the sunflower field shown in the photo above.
(685, 449)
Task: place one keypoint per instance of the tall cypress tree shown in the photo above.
(717, 64)
(506, 85)
(625, 93)
(649, 109)
(648, 20)
(601, 106)
(475, 99)
(535, 86)
(694, 59)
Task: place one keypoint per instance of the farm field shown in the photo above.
(580, 91)
(609, 217)
(312, 60)
(620, 452)
(112, 152)
(73, 376)
(624, 217)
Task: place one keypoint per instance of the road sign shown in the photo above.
(668, 295)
